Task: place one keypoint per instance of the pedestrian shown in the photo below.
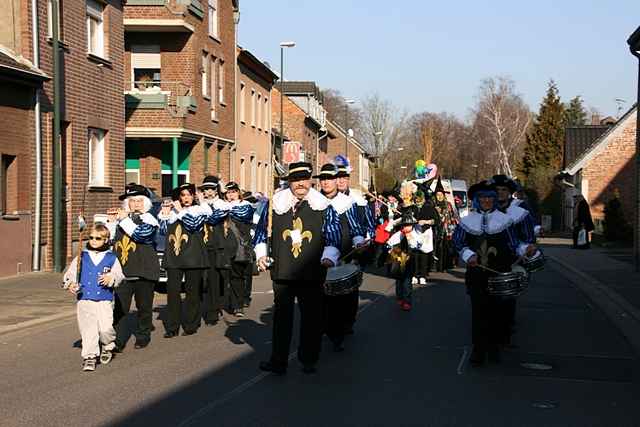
(185, 257)
(134, 230)
(582, 223)
(427, 217)
(448, 221)
(92, 277)
(487, 244)
(305, 237)
(338, 317)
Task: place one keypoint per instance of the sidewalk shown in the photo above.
(606, 276)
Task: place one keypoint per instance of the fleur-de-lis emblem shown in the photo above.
(205, 237)
(484, 253)
(177, 237)
(297, 236)
(399, 256)
(124, 246)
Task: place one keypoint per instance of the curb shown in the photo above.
(622, 314)
(34, 322)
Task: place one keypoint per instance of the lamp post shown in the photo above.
(347, 102)
(634, 46)
(476, 168)
(283, 45)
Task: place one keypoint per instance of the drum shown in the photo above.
(342, 279)
(535, 263)
(509, 285)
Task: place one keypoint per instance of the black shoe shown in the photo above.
(309, 369)
(142, 343)
(170, 334)
(268, 366)
(477, 358)
(119, 348)
(187, 333)
(211, 322)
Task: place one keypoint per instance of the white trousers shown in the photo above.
(95, 321)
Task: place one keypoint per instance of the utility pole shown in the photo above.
(58, 263)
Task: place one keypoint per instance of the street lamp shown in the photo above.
(634, 46)
(476, 168)
(347, 102)
(283, 45)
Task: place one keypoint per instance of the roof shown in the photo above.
(601, 143)
(341, 131)
(578, 138)
(300, 88)
(634, 39)
(257, 66)
(19, 68)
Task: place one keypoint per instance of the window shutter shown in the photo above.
(145, 56)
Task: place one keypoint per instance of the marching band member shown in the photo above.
(338, 307)
(485, 240)
(185, 255)
(304, 242)
(448, 220)
(134, 230)
(366, 220)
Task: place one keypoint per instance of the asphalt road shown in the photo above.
(399, 369)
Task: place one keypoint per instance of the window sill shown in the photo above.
(61, 43)
(224, 104)
(99, 60)
(10, 217)
(207, 97)
(215, 38)
(93, 188)
(215, 119)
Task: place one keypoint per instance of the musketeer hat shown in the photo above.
(299, 170)
(505, 181)
(175, 193)
(231, 185)
(328, 171)
(132, 190)
(210, 182)
(481, 187)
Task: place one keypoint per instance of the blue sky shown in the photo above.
(431, 55)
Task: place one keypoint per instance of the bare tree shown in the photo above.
(339, 112)
(383, 126)
(500, 121)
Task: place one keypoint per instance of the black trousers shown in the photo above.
(337, 312)
(488, 323)
(353, 305)
(215, 295)
(143, 291)
(193, 286)
(248, 285)
(310, 305)
(235, 285)
(424, 263)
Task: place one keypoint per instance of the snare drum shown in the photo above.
(509, 285)
(535, 263)
(342, 279)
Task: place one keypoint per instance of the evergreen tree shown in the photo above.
(575, 114)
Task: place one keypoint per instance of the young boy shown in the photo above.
(99, 273)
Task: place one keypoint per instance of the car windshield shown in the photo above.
(461, 199)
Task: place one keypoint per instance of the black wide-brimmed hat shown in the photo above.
(231, 185)
(343, 172)
(133, 189)
(299, 170)
(505, 181)
(328, 171)
(482, 186)
(210, 182)
(175, 193)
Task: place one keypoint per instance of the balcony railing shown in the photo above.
(174, 97)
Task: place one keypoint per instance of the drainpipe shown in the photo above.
(57, 160)
(174, 161)
(38, 147)
(636, 239)
(236, 22)
(320, 138)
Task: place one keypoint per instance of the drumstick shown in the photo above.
(365, 243)
(381, 200)
(488, 269)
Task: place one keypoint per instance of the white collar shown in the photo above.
(496, 222)
(284, 201)
(517, 213)
(341, 203)
(357, 196)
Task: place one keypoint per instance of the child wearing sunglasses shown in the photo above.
(92, 277)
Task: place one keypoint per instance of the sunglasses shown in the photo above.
(98, 239)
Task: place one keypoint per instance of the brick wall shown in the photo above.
(611, 169)
(335, 145)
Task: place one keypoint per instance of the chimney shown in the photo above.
(595, 119)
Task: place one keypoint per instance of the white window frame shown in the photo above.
(221, 99)
(50, 19)
(265, 125)
(212, 18)
(205, 74)
(92, 13)
(259, 111)
(243, 168)
(213, 88)
(97, 161)
(150, 56)
(242, 102)
(252, 165)
(253, 107)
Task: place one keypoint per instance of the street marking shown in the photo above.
(253, 381)
(463, 360)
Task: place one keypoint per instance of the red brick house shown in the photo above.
(92, 113)
(179, 88)
(607, 165)
(334, 144)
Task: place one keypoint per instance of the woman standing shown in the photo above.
(582, 221)
(185, 256)
(448, 221)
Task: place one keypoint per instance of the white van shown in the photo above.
(462, 202)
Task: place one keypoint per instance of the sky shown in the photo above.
(426, 55)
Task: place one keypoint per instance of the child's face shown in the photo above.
(406, 229)
(96, 240)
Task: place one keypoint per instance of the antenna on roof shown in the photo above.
(620, 102)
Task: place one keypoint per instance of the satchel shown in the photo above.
(244, 252)
(582, 237)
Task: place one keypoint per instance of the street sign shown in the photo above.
(291, 152)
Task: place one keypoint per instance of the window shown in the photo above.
(253, 173)
(242, 103)
(145, 67)
(96, 157)
(205, 74)
(50, 19)
(8, 184)
(221, 82)
(213, 18)
(242, 173)
(259, 113)
(95, 28)
(265, 116)
(253, 107)
(213, 89)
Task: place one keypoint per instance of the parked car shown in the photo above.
(459, 189)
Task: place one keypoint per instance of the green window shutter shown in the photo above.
(184, 150)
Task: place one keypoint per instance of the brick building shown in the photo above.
(252, 152)
(92, 111)
(334, 144)
(605, 166)
(179, 89)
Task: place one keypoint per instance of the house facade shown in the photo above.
(179, 89)
(338, 142)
